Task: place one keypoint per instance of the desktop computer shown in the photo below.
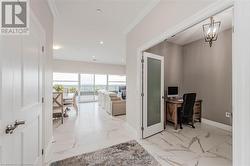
(173, 92)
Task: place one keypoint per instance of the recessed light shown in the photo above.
(56, 47)
(101, 42)
(99, 10)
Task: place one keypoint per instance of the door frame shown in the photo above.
(200, 16)
(44, 113)
(149, 131)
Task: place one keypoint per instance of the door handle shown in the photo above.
(10, 128)
(21, 122)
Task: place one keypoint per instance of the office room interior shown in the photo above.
(192, 66)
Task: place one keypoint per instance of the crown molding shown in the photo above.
(141, 15)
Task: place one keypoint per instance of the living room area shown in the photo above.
(97, 116)
(108, 90)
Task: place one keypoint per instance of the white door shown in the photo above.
(21, 97)
(153, 90)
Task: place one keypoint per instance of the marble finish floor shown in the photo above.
(94, 129)
(203, 146)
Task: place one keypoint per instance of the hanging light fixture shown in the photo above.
(211, 31)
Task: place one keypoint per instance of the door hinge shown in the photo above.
(142, 128)
(42, 99)
(142, 94)
(142, 60)
(42, 48)
(42, 152)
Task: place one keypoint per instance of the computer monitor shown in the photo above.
(173, 91)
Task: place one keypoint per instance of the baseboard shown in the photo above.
(217, 124)
(133, 130)
(48, 150)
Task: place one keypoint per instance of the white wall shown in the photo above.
(42, 12)
(241, 84)
(65, 66)
(166, 15)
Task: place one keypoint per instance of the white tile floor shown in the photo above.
(94, 129)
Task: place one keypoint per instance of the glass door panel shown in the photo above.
(100, 83)
(87, 90)
(153, 91)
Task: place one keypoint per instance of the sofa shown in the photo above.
(111, 103)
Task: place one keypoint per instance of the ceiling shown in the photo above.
(195, 33)
(85, 33)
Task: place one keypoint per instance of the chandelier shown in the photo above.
(211, 31)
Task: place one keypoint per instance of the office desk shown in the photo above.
(171, 110)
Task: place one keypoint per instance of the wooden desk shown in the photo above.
(171, 110)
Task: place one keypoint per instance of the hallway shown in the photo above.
(91, 130)
(94, 129)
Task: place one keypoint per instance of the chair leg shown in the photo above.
(180, 116)
(193, 123)
(62, 116)
(181, 124)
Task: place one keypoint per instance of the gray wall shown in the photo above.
(208, 71)
(172, 63)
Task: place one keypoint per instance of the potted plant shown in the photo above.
(73, 90)
(58, 88)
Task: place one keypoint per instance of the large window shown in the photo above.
(66, 80)
(114, 81)
(87, 85)
(100, 82)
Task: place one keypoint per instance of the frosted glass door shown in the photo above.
(153, 89)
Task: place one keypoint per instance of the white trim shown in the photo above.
(211, 10)
(141, 15)
(241, 83)
(53, 8)
(48, 150)
(217, 124)
(156, 128)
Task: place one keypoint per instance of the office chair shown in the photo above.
(185, 113)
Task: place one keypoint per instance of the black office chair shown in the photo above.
(185, 113)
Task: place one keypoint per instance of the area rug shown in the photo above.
(125, 154)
